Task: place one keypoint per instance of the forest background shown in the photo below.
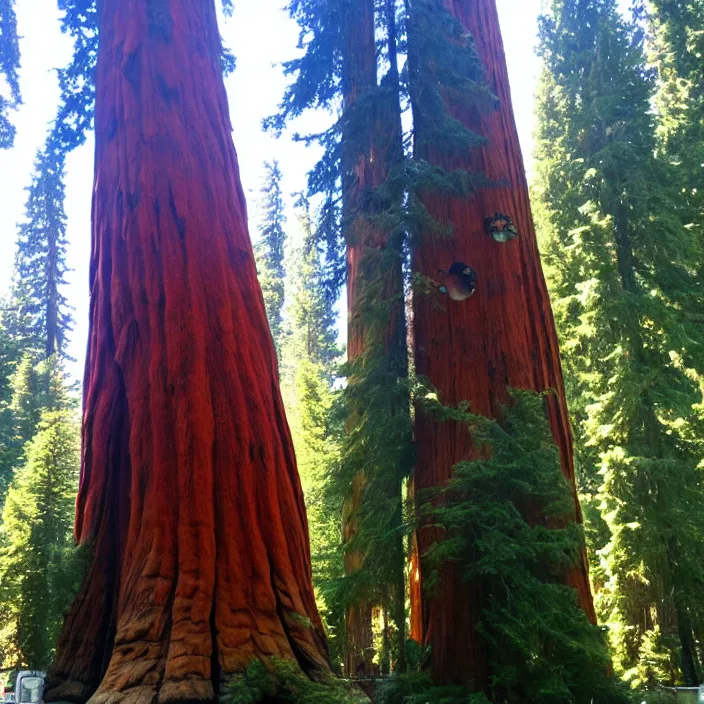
(617, 204)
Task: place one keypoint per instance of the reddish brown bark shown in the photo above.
(415, 593)
(371, 141)
(189, 494)
(504, 337)
(359, 79)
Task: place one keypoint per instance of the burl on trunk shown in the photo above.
(189, 496)
(504, 337)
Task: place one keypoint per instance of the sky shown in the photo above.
(262, 36)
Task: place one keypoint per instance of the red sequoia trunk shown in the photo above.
(504, 337)
(189, 496)
(359, 78)
(371, 141)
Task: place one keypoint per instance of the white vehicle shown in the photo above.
(28, 689)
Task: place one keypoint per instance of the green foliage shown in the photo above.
(77, 80)
(676, 50)
(418, 688)
(40, 264)
(39, 566)
(507, 522)
(32, 388)
(283, 681)
(414, 686)
(622, 261)
(269, 250)
(308, 360)
(9, 66)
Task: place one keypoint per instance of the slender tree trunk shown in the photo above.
(52, 303)
(399, 330)
(359, 80)
(371, 144)
(504, 337)
(415, 593)
(688, 651)
(189, 495)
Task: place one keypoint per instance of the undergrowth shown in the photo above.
(283, 681)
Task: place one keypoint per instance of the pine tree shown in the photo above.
(40, 265)
(361, 179)
(310, 318)
(676, 50)
(32, 388)
(9, 66)
(39, 568)
(622, 270)
(11, 348)
(269, 250)
(309, 361)
(35, 319)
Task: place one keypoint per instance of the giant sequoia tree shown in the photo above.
(189, 493)
(502, 338)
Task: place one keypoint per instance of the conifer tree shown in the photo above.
(308, 365)
(676, 49)
(359, 175)
(40, 264)
(310, 318)
(39, 569)
(622, 270)
(32, 388)
(36, 317)
(269, 250)
(27, 385)
(11, 346)
(9, 66)
(376, 348)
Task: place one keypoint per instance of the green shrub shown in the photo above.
(284, 681)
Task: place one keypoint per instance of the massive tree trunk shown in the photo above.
(504, 337)
(189, 497)
(371, 144)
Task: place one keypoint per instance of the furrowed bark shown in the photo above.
(189, 495)
(504, 337)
